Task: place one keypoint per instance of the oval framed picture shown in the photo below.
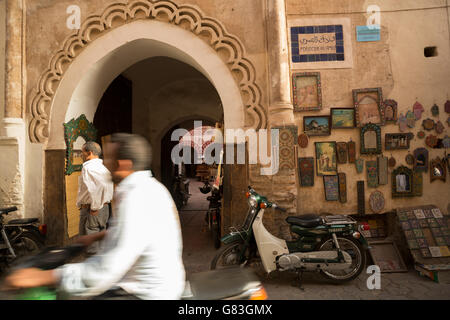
(303, 140)
(409, 159)
(376, 201)
(392, 162)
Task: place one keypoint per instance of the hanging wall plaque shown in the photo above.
(402, 182)
(370, 139)
(431, 141)
(390, 110)
(392, 162)
(438, 171)
(446, 142)
(359, 163)
(448, 121)
(402, 124)
(306, 171)
(361, 197)
(409, 159)
(418, 109)
(394, 141)
(421, 134)
(439, 127)
(428, 124)
(341, 149)
(417, 183)
(331, 186)
(303, 140)
(382, 170)
(372, 174)
(342, 187)
(376, 201)
(410, 119)
(435, 110)
(421, 160)
(447, 106)
(351, 151)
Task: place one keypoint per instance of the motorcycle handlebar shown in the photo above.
(8, 210)
(276, 207)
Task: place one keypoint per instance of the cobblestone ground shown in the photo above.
(199, 251)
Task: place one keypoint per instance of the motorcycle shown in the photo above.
(228, 284)
(333, 245)
(181, 191)
(20, 237)
(213, 216)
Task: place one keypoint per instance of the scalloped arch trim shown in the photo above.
(219, 39)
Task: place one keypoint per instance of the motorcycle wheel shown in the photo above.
(27, 244)
(228, 256)
(354, 249)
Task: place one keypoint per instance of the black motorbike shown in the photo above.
(20, 237)
(231, 284)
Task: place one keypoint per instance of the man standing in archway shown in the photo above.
(95, 191)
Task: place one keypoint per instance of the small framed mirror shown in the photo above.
(438, 170)
(402, 182)
(370, 139)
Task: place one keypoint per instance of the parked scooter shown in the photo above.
(20, 237)
(229, 284)
(333, 245)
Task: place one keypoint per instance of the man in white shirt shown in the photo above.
(95, 191)
(142, 252)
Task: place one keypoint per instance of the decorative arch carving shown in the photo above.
(187, 16)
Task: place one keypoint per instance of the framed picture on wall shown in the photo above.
(326, 159)
(316, 125)
(368, 106)
(342, 118)
(307, 91)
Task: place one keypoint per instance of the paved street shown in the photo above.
(199, 251)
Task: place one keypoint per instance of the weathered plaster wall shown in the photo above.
(2, 57)
(397, 65)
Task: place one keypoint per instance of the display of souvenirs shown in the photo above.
(446, 142)
(410, 119)
(303, 140)
(439, 127)
(402, 124)
(390, 110)
(376, 201)
(359, 163)
(431, 141)
(392, 162)
(372, 174)
(382, 170)
(342, 187)
(421, 160)
(409, 159)
(351, 146)
(418, 110)
(435, 110)
(341, 151)
(428, 124)
(424, 233)
(306, 171)
(438, 170)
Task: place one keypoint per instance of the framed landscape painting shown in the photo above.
(317, 125)
(307, 91)
(326, 160)
(342, 118)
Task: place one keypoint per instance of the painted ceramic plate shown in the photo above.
(392, 162)
(421, 134)
(428, 124)
(303, 140)
(376, 201)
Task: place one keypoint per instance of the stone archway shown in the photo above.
(181, 32)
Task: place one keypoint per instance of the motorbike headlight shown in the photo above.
(252, 201)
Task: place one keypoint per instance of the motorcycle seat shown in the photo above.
(305, 221)
(23, 221)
